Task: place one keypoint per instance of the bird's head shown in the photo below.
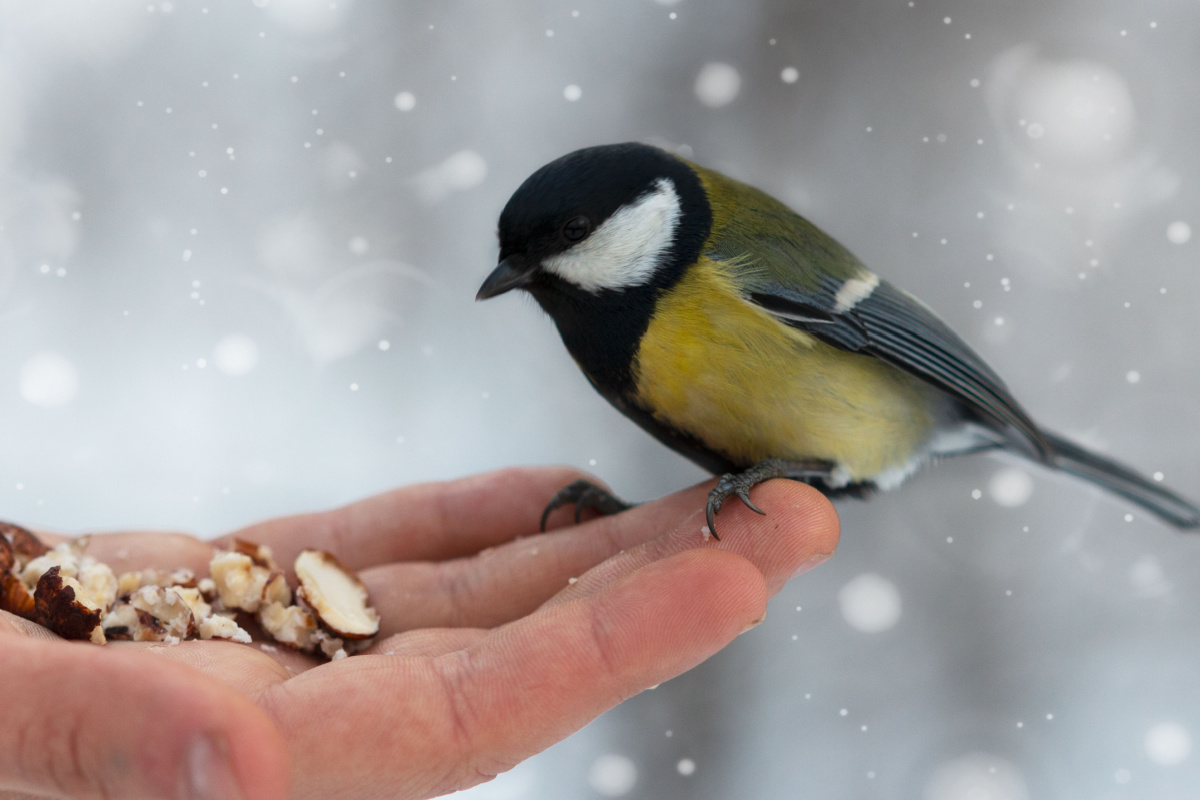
(598, 221)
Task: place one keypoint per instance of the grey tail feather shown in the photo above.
(1121, 480)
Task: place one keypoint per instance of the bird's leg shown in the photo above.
(585, 494)
(740, 483)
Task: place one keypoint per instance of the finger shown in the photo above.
(500, 584)
(248, 669)
(431, 521)
(799, 530)
(83, 721)
(428, 642)
(128, 551)
(12, 624)
(569, 663)
(508, 582)
(473, 713)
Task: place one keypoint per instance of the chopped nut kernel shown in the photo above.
(130, 582)
(335, 595)
(24, 544)
(8, 559)
(277, 590)
(219, 626)
(126, 623)
(58, 609)
(78, 597)
(239, 581)
(167, 605)
(290, 625)
(260, 554)
(15, 598)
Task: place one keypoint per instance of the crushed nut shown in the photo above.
(239, 581)
(335, 595)
(78, 597)
(59, 608)
(168, 608)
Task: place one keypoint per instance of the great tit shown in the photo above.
(739, 334)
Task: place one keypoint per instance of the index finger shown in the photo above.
(427, 522)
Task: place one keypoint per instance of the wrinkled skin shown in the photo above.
(488, 654)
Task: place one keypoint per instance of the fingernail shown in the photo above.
(808, 564)
(753, 624)
(209, 773)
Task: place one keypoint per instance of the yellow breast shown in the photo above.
(750, 387)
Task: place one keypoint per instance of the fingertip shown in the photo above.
(224, 744)
(136, 726)
(809, 510)
(804, 508)
(800, 527)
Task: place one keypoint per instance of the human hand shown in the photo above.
(486, 656)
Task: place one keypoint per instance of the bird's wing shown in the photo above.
(845, 305)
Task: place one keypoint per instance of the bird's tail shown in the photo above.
(1121, 480)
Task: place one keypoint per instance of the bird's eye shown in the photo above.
(577, 229)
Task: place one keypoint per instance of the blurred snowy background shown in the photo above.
(240, 241)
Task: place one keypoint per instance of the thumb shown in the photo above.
(86, 722)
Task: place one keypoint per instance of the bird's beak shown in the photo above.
(511, 273)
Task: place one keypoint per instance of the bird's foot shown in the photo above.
(740, 483)
(585, 494)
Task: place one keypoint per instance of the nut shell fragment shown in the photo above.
(260, 554)
(94, 583)
(335, 595)
(58, 609)
(24, 544)
(8, 559)
(14, 595)
(15, 598)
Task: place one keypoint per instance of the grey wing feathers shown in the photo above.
(892, 325)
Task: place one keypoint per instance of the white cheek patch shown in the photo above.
(627, 247)
(854, 291)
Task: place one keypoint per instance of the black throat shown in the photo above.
(601, 330)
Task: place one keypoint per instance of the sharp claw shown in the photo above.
(744, 496)
(715, 500)
(582, 495)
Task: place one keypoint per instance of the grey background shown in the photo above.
(1041, 647)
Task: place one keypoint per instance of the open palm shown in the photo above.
(490, 649)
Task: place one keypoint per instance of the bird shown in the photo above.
(739, 334)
